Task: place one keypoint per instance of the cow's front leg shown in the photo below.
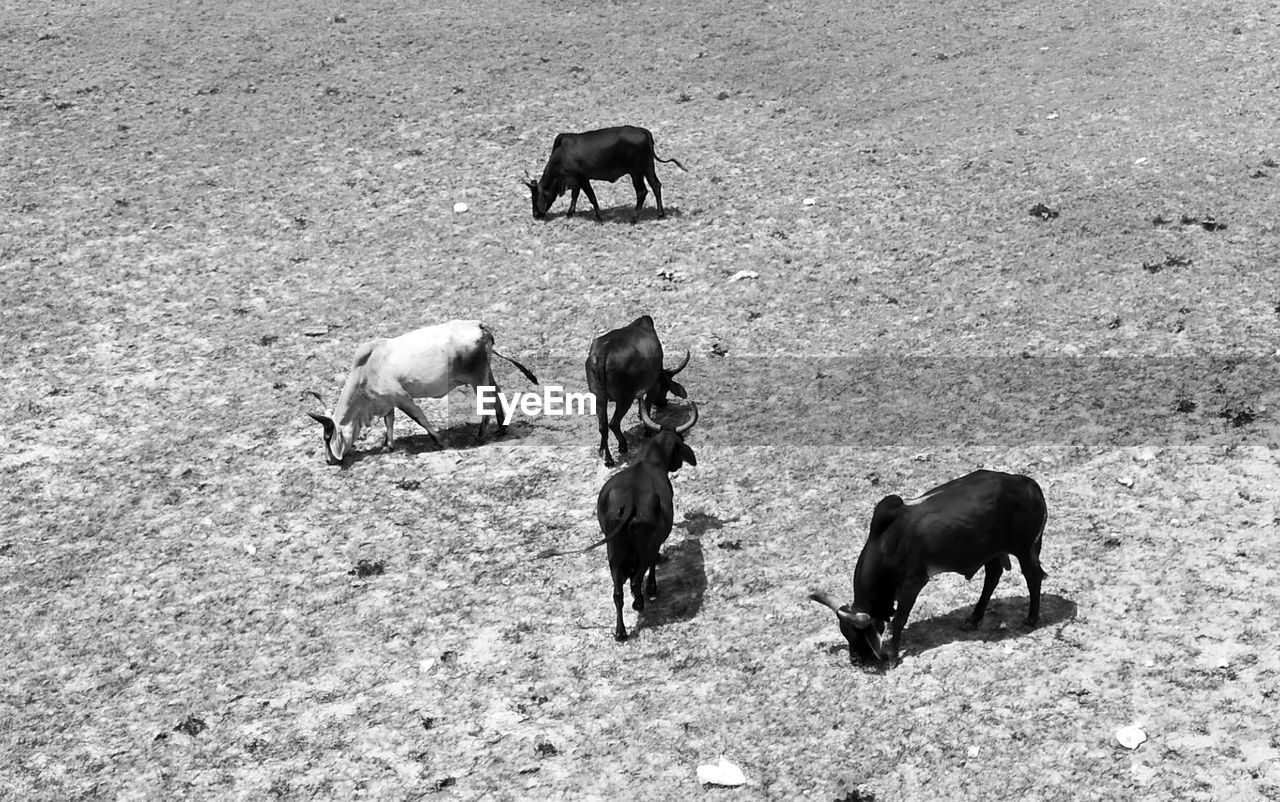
(907, 594)
(573, 202)
(389, 436)
(591, 196)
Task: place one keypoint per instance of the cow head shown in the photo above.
(668, 384)
(544, 194)
(336, 438)
(864, 633)
(668, 444)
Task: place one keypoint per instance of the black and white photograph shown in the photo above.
(562, 400)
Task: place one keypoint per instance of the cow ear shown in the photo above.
(676, 388)
(686, 454)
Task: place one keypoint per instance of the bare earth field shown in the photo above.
(205, 207)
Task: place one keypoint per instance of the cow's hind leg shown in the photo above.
(591, 196)
(602, 414)
(414, 411)
(637, 598)
(615, 423)
(994, 570)
(652, 175)
(502, 421)
(619, 631)
(651, 586)
(637, 180)
(1034, 574)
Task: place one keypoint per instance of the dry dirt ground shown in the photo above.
(205, 207)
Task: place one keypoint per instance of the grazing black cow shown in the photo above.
(968, 523)
(603, 155)
(624, 365)
(635, 513)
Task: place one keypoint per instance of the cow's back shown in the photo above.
(430, 361)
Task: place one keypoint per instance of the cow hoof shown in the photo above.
(620, 636)
(969, 624)
(638, 604)
(1031, 623)
(609, 463)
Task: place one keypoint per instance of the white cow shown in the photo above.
(387, 374)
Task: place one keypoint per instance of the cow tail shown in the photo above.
(527, 374)
(653, 151)
(628, 514)
(488, 338)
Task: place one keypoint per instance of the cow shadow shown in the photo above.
(682, 582)
(458, 437)
(620, 214)
(1003, 621)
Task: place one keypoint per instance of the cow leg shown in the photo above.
(652, 175)
(490, 381)
(619, 631)
(619, 412)
(591, 196)
(637, 179)
(389, 437)
(1034, 574)
(573, 202)
(907, 594)
(411, 409)
(995, 569)
(602, 414)
(651, 587)
(637, 598)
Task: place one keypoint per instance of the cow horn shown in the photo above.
(823, 598)
(680, 367)
(317, 397)
(687, 425)
(861, 620)
(648, 421)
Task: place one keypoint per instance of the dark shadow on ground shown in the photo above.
(930, 633)
(616, 214)
(459, 437)
(682, 582)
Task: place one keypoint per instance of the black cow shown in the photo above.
(624, 365)
(968, 523)
(635, 513)
(603, 155)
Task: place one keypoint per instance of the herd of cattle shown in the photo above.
(975, 521)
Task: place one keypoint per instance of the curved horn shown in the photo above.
(680, 367)
(823, 598)
(687, 425)
(317, 397)
(648, 421)
(861, 620)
